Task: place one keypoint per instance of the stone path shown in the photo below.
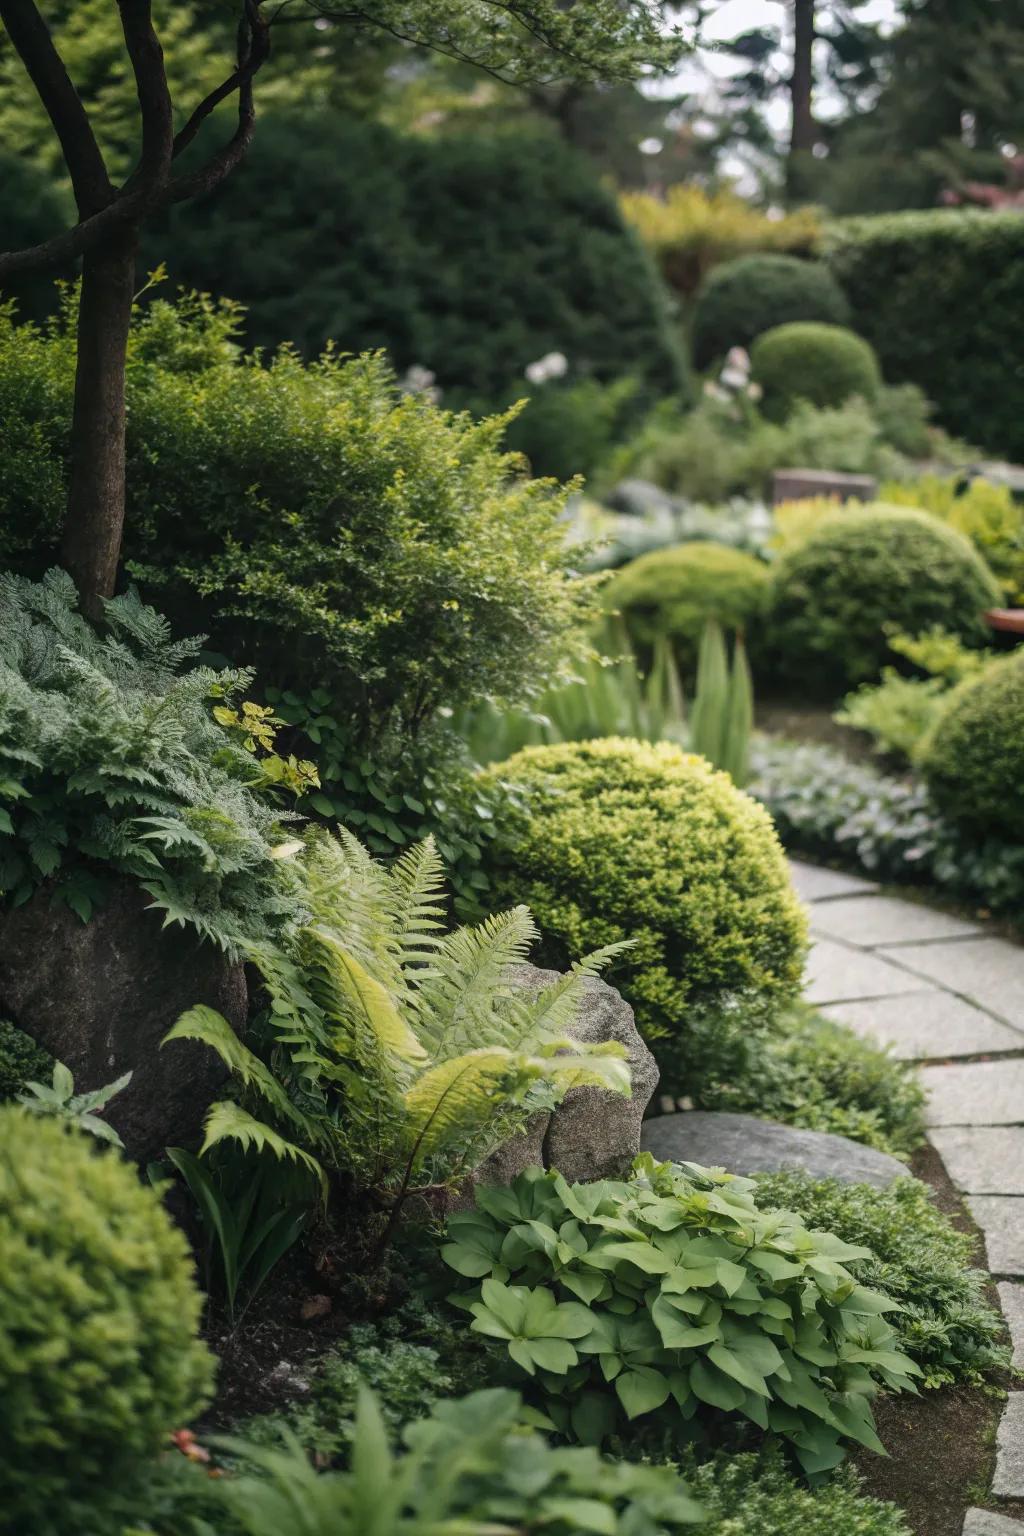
(941, 992)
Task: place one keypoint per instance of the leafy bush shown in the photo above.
(904, 413)
(676, 591)
(392, 1054)
(825, 365)
(754, 1495)
(21, 1060)
(613, 840)
(807, 1070)
(572, 427)
(743, 298)
(929, 286)
(986, 514)
(897, 713)
(825, 806)
(672, 1294)
(864, 569)
(972, 758)
(690, 231)
(99, 1358)
(471, 254)
(918, 1259)
(117, 754)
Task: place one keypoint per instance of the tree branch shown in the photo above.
(31, 39)
(66, 247)
(147, 59)
(253, 52)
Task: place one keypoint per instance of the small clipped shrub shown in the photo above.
(917, 1258)
(825, 365)
(676, 591)
(99, 1358)
(743, 298)
(21, 1061)
(613, 839)
(972, 759)
(986, 514)
(834, 595)
(670, 1296)
(755, 1495)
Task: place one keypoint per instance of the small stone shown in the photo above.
(1001, 1219)
(743, 1144)
(1011, 1299)
(923, 1025)
(982, 1160)
(315, 1306)
(985, 1522)
(975, 1093)
(836, 974)
(1008, 1481)
(884, 920)
(813, 883)
(989, 972)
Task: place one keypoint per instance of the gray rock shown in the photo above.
(1008, 1481)
(814, 883)
(930, 1025)
(593, 1133)
(100, 996)
(1001, 1219)
(743, 1144)
(985, 1522)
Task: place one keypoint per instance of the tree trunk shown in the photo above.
(804, 131)
(95, 511)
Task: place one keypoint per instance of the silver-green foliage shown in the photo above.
(673, 1294)
(110, 759)
(396, 1053)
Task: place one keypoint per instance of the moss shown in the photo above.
(823, 364)
(676, 591)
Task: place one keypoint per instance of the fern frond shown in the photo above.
(228, 1121)
(457, 1094)
(468, 980)
(211, 1028)
(555, 1009)
(418, 881)
(350, 994)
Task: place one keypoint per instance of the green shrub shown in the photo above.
(897, 712)
(927, 287)
(676, 591)
(986, 514)
(99, 1358)
(754, 1495)
(903, 412)
(471, 254)
(672, 1295)
(611, 840)
(806, 1070)
(832, 596)
(825, 365)
(918, 1258)
(21, 1061)
(972, 759)
(742, 298)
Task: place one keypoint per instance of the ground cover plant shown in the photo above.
(670, 1294)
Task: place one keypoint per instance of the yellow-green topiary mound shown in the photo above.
(99, 1359)
(615, 839)
(974, 757)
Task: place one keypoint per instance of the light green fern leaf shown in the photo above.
(354, 996)
(228, 1121)
(211, 1028)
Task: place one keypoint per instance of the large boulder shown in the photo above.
(745, 1145)
(100, 996)
(593, 1133)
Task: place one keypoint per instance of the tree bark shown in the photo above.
(96, 496)
(804, 130)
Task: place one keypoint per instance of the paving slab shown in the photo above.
(985, 1522)
(1008, 1481)
(1011, 1300)
(872, 921)
(931, 1024)
(813, 883)
(975, 1093)
(836, 974)
(989, 972)
(1001, 1219)
(982, 1160)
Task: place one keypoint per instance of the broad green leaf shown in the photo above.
(712, 1386)
(641, 1390)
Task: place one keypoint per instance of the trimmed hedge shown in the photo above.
(99, 1358)
(742, 298)
(940, 295)
(676, 591)
(974, 756)
(862, 569)
(825, 365)
(614, 839)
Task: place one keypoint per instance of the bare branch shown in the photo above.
(31, 38)
(253, 52)
(64, 248)
(147, 58)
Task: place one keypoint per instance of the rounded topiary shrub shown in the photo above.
(833, 597)
(614, 839)
(675, 592)
(974, 755)
(99, 1358)
(822, 364)
(742, 298)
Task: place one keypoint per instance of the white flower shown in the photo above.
(553, 365)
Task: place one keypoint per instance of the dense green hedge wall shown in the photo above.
(940, 295)
(472, 256)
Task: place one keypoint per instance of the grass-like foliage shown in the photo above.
(674, 1295)
(112, 760)
(394, 1054)
(918, 1258)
